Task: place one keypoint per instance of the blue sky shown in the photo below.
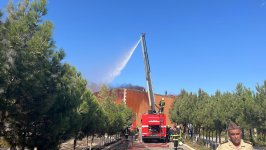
(192, 44)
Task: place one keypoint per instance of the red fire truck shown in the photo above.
(153, 123)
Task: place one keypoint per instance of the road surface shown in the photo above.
(136, 145)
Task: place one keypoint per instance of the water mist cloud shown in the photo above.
(121, 65)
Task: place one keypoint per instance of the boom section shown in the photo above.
(148, 74)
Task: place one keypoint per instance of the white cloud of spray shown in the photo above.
(121, 65)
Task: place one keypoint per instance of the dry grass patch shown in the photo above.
(196, 146)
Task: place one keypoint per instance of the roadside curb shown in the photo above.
(113, 145)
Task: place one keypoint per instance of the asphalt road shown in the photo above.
(136, 145)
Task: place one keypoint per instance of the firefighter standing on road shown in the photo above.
(168, 133)
(161, 104)
(136, 131)
(174, 137)
(179, 133)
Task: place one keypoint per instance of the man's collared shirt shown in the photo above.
(230, 146)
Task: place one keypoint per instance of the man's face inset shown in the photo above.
(235, 136)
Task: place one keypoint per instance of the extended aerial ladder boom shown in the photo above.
(148, 74)
(153, 125)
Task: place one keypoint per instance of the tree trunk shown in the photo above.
(199, 132)
(206, 137)
(243, 134)
(24, 141)
(192, 133)
(219, 136)
(87, 136)
(209, 141)
(250, 134)
(92, 141)
(101, 140)
(212, 135)
(216, 136)
(13, 148)
(202, 130)
(75, 143)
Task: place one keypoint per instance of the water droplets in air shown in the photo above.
(122, 64)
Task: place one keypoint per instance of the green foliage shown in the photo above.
(243, 106)
(111, 110)
(259, 109)
(27, 71)
(117, 116)
(44, 102)
(93, 117)
(126, 114)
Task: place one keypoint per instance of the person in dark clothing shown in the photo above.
(161, 104)
(126, 132)
(168, 133)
